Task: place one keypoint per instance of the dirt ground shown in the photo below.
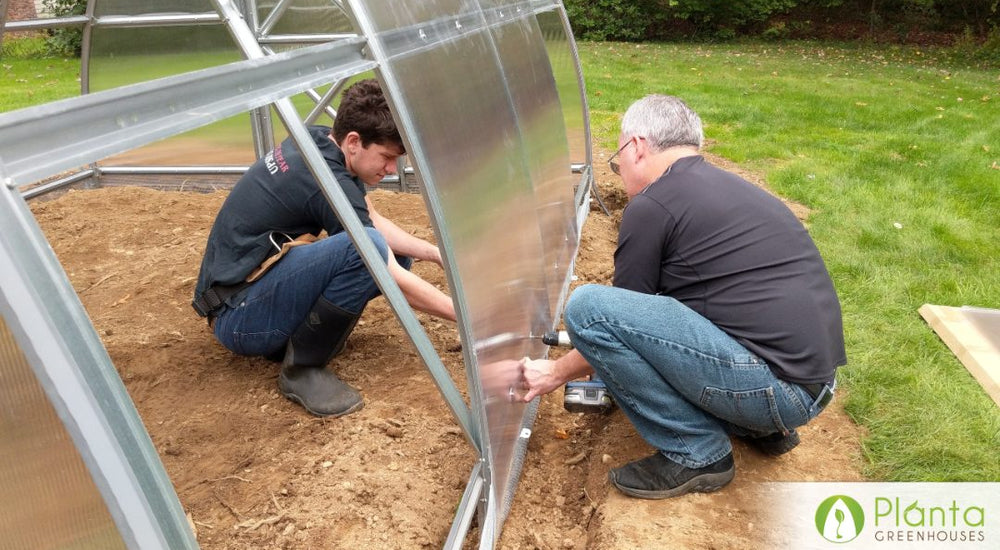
(255, 471)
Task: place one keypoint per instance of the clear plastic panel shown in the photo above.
(121, 56)
(127, 55)
(564, 68)
(305, 17)
(150, 7)
(539, 116)
(388, 15)
(50, 500)
(493, 158)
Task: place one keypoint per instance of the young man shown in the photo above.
(267, 290)
(722, 318)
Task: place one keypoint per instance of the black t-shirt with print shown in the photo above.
(279, 195)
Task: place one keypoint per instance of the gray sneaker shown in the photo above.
(656, 477)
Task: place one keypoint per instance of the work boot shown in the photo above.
(775, 444)
(319, 391)
(304, 377)
(656, 477)
(279, 356)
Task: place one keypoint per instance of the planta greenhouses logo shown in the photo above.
(840, 519)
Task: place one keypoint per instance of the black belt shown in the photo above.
(817, 392)
(211, 302)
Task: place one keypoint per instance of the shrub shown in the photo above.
(628, 20)
(718, 15)
(644, 19)
(984, 52)
(64, 41)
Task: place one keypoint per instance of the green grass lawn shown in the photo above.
(897, 152)
(28, 78)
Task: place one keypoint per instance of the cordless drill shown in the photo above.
(587, 396)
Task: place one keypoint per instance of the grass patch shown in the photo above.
(29, 77)
(897, 151)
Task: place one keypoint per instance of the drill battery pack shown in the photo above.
(590, 396)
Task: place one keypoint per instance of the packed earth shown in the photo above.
(254, 471)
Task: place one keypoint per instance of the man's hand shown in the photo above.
(539, 378)
(542, 376)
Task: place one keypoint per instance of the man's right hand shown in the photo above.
(539, 378)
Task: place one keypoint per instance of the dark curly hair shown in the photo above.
(363, 109)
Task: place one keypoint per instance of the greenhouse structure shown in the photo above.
(489, 98)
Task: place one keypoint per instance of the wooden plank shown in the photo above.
(973, 336)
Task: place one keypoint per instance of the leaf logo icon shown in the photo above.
(839, 514)
(840, 519)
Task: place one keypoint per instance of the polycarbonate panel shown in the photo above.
(305, 17)
(49, 499)
(121, 56)
(492, 156)
(564, 68)
(537, 110)
(61, 346)
(150, 7)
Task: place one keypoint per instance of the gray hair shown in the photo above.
(665, 121)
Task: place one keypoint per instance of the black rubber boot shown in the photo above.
(304, 377)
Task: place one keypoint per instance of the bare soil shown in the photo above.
(255, 471)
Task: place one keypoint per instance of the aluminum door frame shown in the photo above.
(492, 502)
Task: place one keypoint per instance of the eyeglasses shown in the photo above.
(615, 167)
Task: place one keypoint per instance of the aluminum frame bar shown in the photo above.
(114, 21)
(273, 17)
(85, 43)
(303, 38)
(467, 509)
(323, 103)
(203, 169)
(391, 182)
(46, 23)
(58, 184)
(207, 18)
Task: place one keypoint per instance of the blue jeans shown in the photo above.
(275, 305)
(683, 383)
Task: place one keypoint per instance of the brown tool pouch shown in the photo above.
(212, 300)
(283, 249)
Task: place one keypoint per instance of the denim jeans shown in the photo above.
(278, 302)
(683, 383)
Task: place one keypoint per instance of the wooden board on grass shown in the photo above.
(973, 335)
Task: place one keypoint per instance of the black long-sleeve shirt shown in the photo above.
(737, 256)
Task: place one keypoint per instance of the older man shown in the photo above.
(722, 318)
